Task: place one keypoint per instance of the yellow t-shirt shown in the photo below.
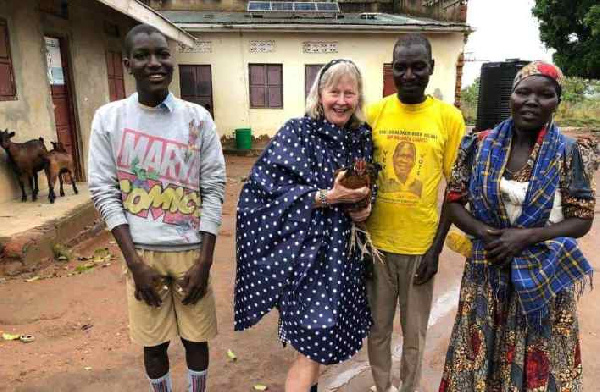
(414, 144)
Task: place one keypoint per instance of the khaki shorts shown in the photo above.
(150, 326)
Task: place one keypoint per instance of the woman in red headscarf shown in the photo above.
(530, 194)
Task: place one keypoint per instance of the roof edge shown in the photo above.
(319, 28)
(144, 14)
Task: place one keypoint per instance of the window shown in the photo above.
(116, 85)
(266, 86)
(8, 90)
(310, 74)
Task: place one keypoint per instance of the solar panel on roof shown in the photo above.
(282, 6)
(259, 6)
(331, 7)
(290, 7)
(304, 6)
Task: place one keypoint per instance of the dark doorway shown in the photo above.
(58, 68)
(388, 80)
(196, 85)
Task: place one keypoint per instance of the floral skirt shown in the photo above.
(492, 350)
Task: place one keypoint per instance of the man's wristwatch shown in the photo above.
(322, 195)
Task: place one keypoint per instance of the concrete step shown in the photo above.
(30, 230)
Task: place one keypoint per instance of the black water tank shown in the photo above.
(495, 88)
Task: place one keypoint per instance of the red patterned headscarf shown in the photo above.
(540, 68)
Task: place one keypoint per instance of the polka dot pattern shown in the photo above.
(296, 258)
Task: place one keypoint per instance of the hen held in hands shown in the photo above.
(358, 175)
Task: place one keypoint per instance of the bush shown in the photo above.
(585, 113)
(580, 105)
(469, 98)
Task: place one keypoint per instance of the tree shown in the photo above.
(574, 89)
(469, 97)
(573, 29)
(470, 94)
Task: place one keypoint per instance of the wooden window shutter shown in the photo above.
(266, 86)
(275, 85)
(187, 77)
(7, 81)
(258, 79)
(310, 74)
(116, 83)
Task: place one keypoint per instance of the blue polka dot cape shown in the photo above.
(295, 257)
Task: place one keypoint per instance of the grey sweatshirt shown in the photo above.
(161, 170)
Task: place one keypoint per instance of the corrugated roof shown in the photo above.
(197, 20)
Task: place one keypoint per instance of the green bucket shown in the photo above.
(243, 138)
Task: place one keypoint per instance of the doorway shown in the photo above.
(196, 85)
(389, 87)
(59, 77)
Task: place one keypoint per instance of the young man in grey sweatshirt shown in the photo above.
(157, 176)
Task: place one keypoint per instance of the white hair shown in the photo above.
(332, 76)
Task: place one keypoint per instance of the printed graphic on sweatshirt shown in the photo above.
(159, 178)
(403, 157)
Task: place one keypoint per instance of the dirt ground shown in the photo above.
(79, 321)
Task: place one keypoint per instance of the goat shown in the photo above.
(60, 162)
(26, 159)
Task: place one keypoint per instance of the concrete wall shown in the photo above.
(32, 114)
(230, 55)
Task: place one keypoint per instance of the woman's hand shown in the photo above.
(339, 194)
(487, 233)
(507, 244)
(361, 215)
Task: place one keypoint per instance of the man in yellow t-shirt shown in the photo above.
(416, 138)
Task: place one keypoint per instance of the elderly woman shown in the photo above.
(293, 233)
(530, 194)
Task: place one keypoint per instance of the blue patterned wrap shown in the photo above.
(543, 269)
(295, 257)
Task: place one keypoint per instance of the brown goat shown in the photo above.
(26, 159)
(61, 162)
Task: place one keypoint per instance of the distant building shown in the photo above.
(60, 61)
(254, 68)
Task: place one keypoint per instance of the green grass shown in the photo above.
(584, 114)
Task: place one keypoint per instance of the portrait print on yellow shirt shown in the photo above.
(402, 174)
